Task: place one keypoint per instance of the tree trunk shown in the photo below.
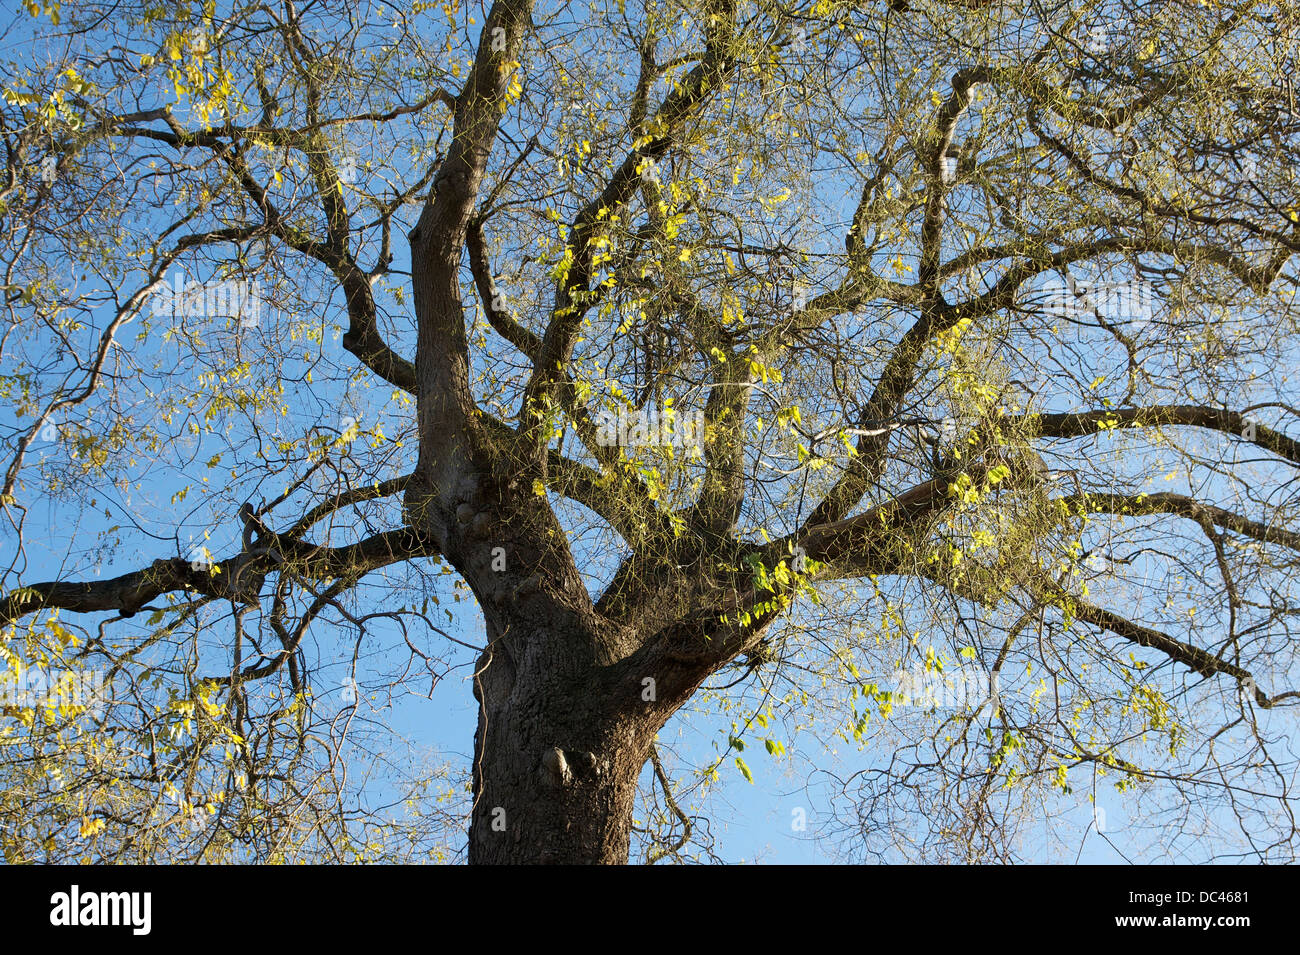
(569, 698)
(557, 752)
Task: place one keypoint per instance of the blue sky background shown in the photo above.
(111, 531)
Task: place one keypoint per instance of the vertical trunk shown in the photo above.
(569, 698)
(556, 755)
(566, 802)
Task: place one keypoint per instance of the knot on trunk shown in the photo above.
(560, 769)
(555, 769)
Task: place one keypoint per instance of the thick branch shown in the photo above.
(227, 578)
(446, 405)
(1140, 505)
(1080, 424)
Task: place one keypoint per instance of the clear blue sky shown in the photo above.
(113, 531)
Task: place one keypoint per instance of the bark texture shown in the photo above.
(557, 754)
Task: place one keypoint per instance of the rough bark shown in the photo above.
(556, 755)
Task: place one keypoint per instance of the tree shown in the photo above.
(795, 345)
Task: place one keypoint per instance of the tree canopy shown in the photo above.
(909, 379)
